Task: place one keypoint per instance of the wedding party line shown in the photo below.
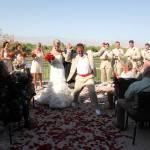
(117, 64)
(123, 75)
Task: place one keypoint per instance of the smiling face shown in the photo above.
(131, 45)
(147, 46)
(57, 44)
(80, 50)
(107, 45)
(117, 45)
(19, 47)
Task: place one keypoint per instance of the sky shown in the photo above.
(91, 20)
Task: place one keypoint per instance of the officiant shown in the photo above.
(67, 63)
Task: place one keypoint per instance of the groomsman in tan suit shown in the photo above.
(133, 54)
(83, 70)
(118, 54)
(146, 53)
(106, 57)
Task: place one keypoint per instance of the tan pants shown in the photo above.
(80, 83)
(106, 74)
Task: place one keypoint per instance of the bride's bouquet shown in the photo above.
(49, 57)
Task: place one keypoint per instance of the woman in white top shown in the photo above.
(36, 66)
(127, 71)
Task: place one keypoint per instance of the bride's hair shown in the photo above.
(56, 41)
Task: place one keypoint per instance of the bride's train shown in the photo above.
(59, 98)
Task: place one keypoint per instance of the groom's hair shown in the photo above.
(80, 45)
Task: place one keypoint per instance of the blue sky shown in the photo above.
(77, 19)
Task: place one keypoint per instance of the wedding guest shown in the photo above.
(127, 71)
(6, 56)
(36, 66)
(106, 57)
(103, 46)
(83, 70)
(130, 103)
(106, 64)
(4, 73)
(146, 54)
(19, 63)
(67, 64)
(133, 54)
(117, 56)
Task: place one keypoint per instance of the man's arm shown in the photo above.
(99, 53)
(69, 55)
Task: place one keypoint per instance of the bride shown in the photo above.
(57, 94)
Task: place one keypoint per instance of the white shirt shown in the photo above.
(83, 65)
(128, 74)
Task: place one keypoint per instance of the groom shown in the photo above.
(82, 70)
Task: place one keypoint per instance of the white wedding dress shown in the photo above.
(57, 94)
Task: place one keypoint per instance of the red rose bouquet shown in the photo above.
(33, 55)
(49, 57)
(11, 54)
(23, 54)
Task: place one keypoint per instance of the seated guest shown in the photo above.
(19, 63)
(129, 103)
(7, 56)
(127, 71)
(4, 73)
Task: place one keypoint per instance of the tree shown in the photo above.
(28, 47)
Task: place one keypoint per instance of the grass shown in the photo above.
(46, 68)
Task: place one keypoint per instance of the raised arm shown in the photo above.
(68, 55)
(99, 53)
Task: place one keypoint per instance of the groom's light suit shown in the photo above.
(81, 81)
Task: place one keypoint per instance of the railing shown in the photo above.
(46, 68)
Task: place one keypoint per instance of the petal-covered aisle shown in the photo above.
(68, 129)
